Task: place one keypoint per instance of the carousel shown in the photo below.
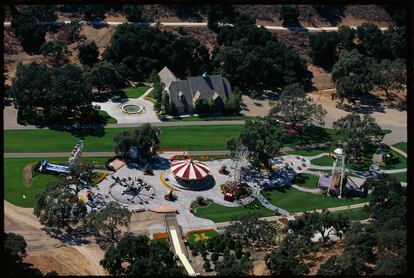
(191, 174)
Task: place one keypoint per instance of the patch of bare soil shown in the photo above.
(204, 35)
(140, 221)
(252, 107)
(358, 14)
(321, 79)
(101, 36)
(333, 248)
(27, 175)
(63, 260)
(260, 268)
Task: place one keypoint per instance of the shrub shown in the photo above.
(207, 266)
(215, 256)
(239, 253)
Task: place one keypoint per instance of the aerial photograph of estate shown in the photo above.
(205, 139)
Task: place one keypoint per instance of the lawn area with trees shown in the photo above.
(219, 213)
(401, 164)
(107, 118)
(401, 177)
(353, 214)
(306, 180)
(294, 200)
(14, 189)
(312, 152)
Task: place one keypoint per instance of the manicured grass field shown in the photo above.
(294, 200)
(400, 165)
(212, 118)
(312, 152)
(353, 214)
(209, 137)
(108, 119)
(136, 92)
(402, 146)
(323, 161)
(306, 180)
(14, 189)
(219, 213)
(401, 177)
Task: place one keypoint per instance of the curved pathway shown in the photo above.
(304, 189)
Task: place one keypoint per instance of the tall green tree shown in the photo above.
(352, 76)
(56, 50)
(69, 96)
(295, 107)
(254, 59)
(136, 255)
(357, 132)
(323, 48)
(133, 12)
(73, 30)
(324, 223)
(262, 138)
(108, 221)
(59, 208)
(29, 32)
(289, 14)
(389, 75)
(88, 54)
(104, 76)
(145, 138)
(230, 266)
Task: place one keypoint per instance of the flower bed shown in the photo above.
(199, 231)
(160, 236)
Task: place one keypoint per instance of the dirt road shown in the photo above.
(47, 253)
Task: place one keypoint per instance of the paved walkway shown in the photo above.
(114, 105)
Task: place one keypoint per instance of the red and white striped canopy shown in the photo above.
(189, 169)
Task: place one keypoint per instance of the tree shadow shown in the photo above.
(74, 237)
(331, 13)
(187, 12)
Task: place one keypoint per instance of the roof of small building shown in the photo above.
(167, 76)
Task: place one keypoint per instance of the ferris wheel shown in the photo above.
(240, 162)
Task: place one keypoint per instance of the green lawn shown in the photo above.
(401, 177)
(400, 165)
(212, 137)
(108, 119)
(13, 179)
(294, 200)
(402, 146)
(312, 152)
(306, 180)
(353, 214)
(210, 118)
(323, 161)
(136, 92)
(219, 213)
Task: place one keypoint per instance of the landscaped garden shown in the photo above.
(14, 189)
(135, 92)
(294, 200)
(201, 236)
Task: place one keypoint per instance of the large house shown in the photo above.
(185, 93)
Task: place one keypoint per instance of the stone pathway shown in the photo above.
(113, 108)
(304, 189)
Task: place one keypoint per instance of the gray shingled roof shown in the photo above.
(207, 86)
(167, 76)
